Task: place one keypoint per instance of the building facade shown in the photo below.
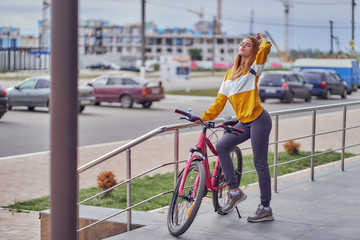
(124, 43)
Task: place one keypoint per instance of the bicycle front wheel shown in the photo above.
(183, 209)
(219, 196)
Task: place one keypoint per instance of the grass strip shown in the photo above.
(149, 186)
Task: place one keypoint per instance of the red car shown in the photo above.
(126, 90)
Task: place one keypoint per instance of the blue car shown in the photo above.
(284, 85)
(325, 83)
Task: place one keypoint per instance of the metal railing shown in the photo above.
(175, 128)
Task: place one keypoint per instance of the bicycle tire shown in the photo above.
(219, 196)
(182, 210)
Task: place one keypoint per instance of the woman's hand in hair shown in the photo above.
(260, 36)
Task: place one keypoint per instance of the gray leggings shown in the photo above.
(259, 131)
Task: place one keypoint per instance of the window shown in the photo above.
(119, 49)
(220, 41)
(158, 41)
(178, 41)
(158, 50)
(148, 50)
(179, 50)
(169, 50)
(101, 81)
(168, 41)
(28, 84)
(42, 83)
(129, 81)
(115, 81)
(230, 40)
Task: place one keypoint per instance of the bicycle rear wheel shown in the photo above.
(183, 209)
(219, 196)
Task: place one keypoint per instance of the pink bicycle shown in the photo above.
(196, 180)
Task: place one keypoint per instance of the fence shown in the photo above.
(24, 59)
(175, 128)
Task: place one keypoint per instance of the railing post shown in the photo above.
(176, 155)
(128, 187)
(343, 141)
(276, 135)
(313, 145)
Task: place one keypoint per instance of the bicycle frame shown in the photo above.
(201, 147)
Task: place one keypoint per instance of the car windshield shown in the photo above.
(141, 81)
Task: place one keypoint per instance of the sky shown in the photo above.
(308, 25)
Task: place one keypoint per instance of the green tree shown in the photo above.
(195, 54)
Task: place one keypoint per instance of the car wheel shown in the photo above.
(326, 94)
(308, 97)
(31, 108)
(147, 104)
(262, 99)
(9, 107)
(97, 103)
(126, 101)
(290, 98)
(344, 94)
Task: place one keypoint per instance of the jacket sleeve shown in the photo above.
(263, 52)
(215, 109)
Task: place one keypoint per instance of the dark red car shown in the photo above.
(126, 90)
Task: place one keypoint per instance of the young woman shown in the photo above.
(240, 88)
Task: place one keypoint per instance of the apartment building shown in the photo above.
(124, 43)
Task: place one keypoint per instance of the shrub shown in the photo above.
(106, 180)
(292, 147)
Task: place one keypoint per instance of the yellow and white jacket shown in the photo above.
(243, 92)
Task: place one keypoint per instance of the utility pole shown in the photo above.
(218, 27)
(251, 32)
(331, 36)
(287, 9)
(142, 68)
(213, 46)
(353, 26)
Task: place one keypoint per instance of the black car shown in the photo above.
(325, 82)
(284, 85)
(103, 66)
(3, 102)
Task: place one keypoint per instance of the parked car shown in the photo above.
(348, 69)
(325, 82)
(3, 102)
(35, 92)
(103, 65)
(126, 90)
(284, 85)
(130, 68)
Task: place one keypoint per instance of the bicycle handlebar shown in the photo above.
(192, 118)
(189, 117)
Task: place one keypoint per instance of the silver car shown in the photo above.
(35, 92)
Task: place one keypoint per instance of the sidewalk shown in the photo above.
(27, 176)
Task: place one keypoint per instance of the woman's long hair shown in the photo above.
(240, 69)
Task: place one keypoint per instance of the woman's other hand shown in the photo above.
(260, 36)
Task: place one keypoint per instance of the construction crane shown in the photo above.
(200, 14)
(283, 57)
